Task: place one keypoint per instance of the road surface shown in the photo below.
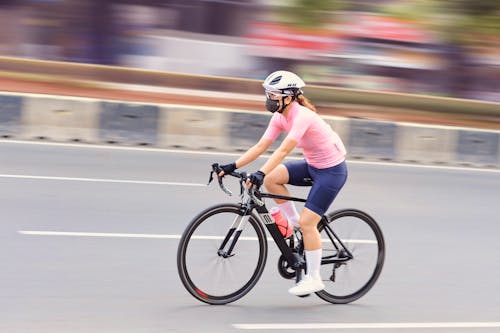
(89, 237)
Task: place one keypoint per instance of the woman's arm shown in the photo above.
(254, 152)
(279, 155)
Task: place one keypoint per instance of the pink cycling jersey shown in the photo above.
(321, 146)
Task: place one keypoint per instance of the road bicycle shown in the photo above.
(223, 251)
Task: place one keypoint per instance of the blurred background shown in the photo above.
(81, 223)
(437, 47)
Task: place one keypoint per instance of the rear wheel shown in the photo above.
(350, 267)
(209, 269)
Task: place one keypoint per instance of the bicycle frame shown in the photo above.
(253, 202)
(279, 240)
(292, 258)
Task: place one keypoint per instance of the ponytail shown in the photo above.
(305, 102)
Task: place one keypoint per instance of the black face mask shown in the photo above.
(272, 105)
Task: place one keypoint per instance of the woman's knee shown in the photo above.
(279, 176)
(307, 226)
(309, 220)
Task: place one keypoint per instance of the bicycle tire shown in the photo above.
(347, 217)
(194, 247)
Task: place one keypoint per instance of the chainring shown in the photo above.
(285, 269)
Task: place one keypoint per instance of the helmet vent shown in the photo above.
(275, 80)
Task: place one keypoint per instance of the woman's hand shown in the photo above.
(227, 168)
(255, 179)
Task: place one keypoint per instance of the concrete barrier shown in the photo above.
(10, 115)
(56, 118)
(60, 119)
(129, 123)
(425, 144)
(195, 128)
(371, 139)
(478, 147)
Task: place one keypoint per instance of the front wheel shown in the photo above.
(353, 255)
(222, 254)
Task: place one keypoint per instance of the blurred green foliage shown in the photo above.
(311, 13)
(461, 21)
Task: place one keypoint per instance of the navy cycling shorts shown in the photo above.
(326, 183)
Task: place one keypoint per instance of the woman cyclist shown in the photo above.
(324, 164)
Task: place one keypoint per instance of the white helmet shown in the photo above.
(287, 82)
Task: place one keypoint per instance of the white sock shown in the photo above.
(313, 261)
(290, 212)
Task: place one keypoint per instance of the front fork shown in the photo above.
(236, 229)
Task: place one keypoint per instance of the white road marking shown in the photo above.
(117, 147)
(167, 236)
(323, 326)
(219, 153)
(117, 235)
(100, 180)
(95, 234)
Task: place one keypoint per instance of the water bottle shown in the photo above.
(285, 228)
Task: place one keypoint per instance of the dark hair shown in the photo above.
(305, 102)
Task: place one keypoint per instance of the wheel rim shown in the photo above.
(211, 277)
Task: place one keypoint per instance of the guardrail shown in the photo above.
(319, 94)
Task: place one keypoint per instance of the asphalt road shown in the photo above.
(89, 238)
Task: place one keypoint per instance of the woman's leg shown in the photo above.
(327, 184)
(275, 183)
(312, 245)
(309, 225)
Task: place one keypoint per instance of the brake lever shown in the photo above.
(221, 184)
(243, 179)
(211, 177)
